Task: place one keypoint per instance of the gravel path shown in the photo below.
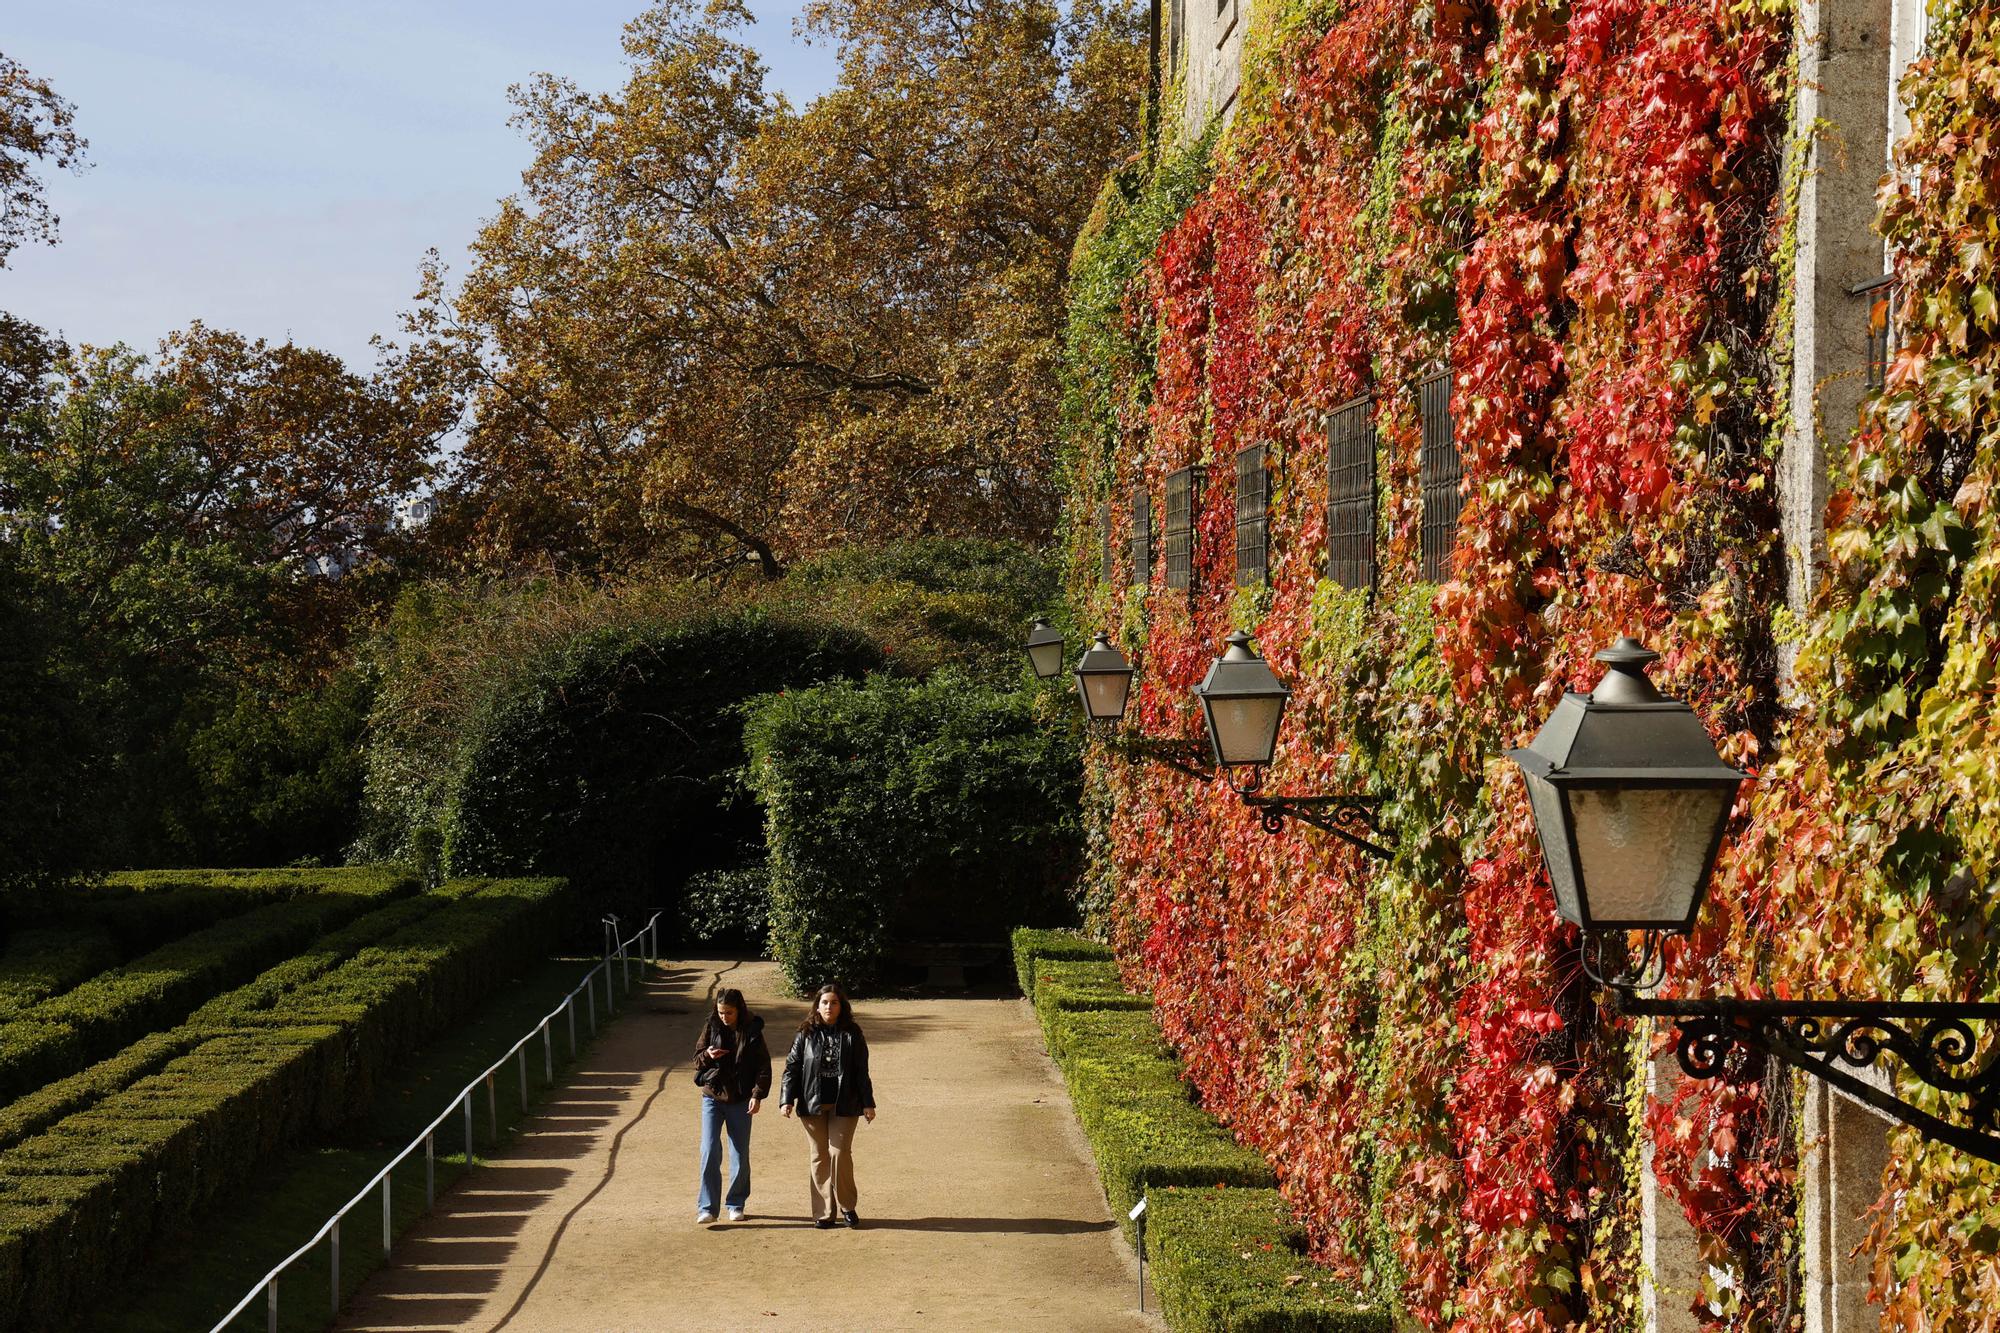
(980, 1207)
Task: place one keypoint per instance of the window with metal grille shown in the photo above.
(1142, 537)
(1350, 494)
(1253, 517)
(1183, 497)
(1440, 475)
(1880, 301)
(1109, 569)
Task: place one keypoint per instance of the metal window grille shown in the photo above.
(1350, 494)
(1142, 537)
(1109, 569)
(1881, 300)
(1253, 517)
(1183, 496)
(1440, 476)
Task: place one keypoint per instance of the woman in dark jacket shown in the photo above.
(733, 1066)
(826, 1082)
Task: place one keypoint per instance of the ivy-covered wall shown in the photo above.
(1582, 209)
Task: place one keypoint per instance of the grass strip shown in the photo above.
(1225, 1253)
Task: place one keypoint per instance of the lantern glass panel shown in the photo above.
(1046, 658)
(1104, 694)
(1548, 807)
(1244, 730)
(1643, 854)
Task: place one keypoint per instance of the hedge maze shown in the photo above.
(139, 1083)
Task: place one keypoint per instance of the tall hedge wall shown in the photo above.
(1580, 210)
(898, 810)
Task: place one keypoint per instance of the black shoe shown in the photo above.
(824, 1223)
(853, 1218)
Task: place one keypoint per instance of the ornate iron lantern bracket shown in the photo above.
(1349, 818)
(1189, 757)
(1832, 1039)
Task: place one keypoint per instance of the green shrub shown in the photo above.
(66, 1032)
(1231, 1261)
(932, 602)
(85, 1197)
(728, 907)
(898, 810)
(1224, 1254)
(144, 909)
(48, 960)
(79, 1092)
(609, 755)
(1031, 944)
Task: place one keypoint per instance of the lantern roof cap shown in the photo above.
(1042, 632)
(1625, 733)
(1102, 658)
(1240, 673)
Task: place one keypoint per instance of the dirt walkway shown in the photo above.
(980, 1207)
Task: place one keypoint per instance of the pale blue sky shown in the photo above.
(279, 167)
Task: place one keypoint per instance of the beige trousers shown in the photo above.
(832, 1161)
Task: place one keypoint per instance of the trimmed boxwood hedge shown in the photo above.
(49, 960)
(1056, 945)
(1232, 1260)
(67, 1032)
(1224, 1254)
(934, 811)
(46, 1105)
(83, 1199)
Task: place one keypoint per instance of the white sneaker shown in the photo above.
(734, 1214)
(704, 1218)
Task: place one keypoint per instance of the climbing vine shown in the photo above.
(1579, 208)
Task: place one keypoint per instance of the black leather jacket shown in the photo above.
(810, 1081)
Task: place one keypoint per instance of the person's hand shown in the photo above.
(868, 1114)
(755, 1102)
(787, 1109)
(717, 1052)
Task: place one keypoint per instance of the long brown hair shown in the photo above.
(846, 1019)
(732, 997)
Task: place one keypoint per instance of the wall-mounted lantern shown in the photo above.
(1045, 649)
(1630, 799)
(1104, 688)
(1243, 702)
(1103, 681)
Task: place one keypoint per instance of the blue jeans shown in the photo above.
(715, 1117)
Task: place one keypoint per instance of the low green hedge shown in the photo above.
(1057, 945)
(1224, 1255)
(83, 1199)
(1232, 1259)
(144, 909)
(49, 960)
(67, 1032)
(46, 1105)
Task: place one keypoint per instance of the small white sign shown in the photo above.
(1138, 1210)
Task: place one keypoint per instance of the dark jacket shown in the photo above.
(810, 1080)
(745, 1067)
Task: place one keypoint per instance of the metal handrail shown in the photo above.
(647, 936)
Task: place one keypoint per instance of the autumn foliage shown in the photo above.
(1581, 210)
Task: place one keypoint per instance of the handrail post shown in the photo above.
(388, 1231)
(522, 1063)
(335, 1237)
(468, 1129)
(271, 1301)
(430, 1171)
(492, 1112)
(548, 1054)
(569, 1011)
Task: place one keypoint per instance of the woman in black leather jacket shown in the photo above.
(826, 1082)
